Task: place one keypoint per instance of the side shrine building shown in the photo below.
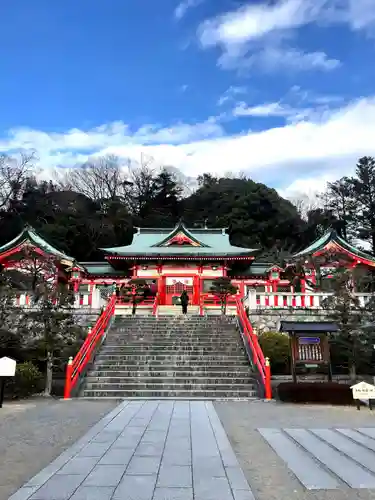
(188, 259)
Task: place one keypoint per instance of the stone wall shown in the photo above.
(266, 320)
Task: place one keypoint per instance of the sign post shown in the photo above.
(7, 369)
(363, 392)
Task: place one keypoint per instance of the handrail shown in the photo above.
(155, 305)
(261, 363)
(127, 301)
(76, 366)
(201, 309)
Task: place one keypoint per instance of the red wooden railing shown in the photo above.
(210, 299)
(155, 305)
(262, 364)
(127, 301)
(76, 366)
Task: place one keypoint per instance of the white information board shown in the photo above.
(7, 367)
(363, 390)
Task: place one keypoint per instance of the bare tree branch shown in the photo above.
(14, 171)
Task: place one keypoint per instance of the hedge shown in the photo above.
(275, 346)
(27, 381)
(319, 392)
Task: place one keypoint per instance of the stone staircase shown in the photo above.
(171, 357)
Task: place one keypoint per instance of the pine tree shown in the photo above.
(223, 288)
(355, 336)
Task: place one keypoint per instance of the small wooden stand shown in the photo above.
(309, 346)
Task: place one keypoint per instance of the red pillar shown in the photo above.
(268, 388)
(196, 289)
(91, 286)
(225, 270)
(161, 290)
(135, 271)
(68, 378)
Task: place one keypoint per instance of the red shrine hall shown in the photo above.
(188, 259)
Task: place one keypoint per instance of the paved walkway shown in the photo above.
(146, 450)
(327, 458)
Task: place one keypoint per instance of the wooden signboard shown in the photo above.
(7, 369)
(363, 392)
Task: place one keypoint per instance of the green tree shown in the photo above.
(134, 292)
(255, 214)
(363, 186)
(223, 288)
(166, 199)
(10, 339)
(51, 330)
(339, 201)
(355, 338)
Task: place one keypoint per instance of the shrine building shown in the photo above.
(188, 259)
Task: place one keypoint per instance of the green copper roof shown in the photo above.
(207, 242)
(100, 269)
(332, 236)
(180, 228)
(29, 235)
(255, 269)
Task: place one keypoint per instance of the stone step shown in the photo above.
(171, 357)
(149, 393)
(164, 385)
(156, 373)
(199, 367)
(174, 334)
(176, 356)
(191, 317)
(165, 341)
(171, 349)
(166, 398)
(190, 380)
(175, 326)
(209, 332)
(173, 338)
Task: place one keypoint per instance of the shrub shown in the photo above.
(27, 381)
(319, 392)
(275, 346)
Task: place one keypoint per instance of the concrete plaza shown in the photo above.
(146, 450)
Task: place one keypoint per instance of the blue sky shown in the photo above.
(281, 90)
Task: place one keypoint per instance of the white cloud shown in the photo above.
(263, 110)
(302, 155)
(255, 21)
(231, 93)
(260, 33)
(315, 108)
(184, 6)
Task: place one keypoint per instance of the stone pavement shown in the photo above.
(146, 450)
(326, 458)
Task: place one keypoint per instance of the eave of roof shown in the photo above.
(333, 239)
(184, 256)
(308, 326)
(180, 228)
(28, 235)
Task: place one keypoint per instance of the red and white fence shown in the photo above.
(269, 300)
(81, 300)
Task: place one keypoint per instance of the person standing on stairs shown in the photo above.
(184, 299)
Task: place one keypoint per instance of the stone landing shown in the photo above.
(325, 459)
(146, 450)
